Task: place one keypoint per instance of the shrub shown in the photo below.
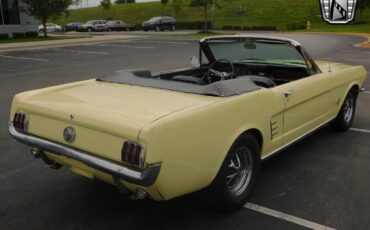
(260, 28)
(227, 27)
(296, 26)
(358, 22)
(195, 25)
(237, 28)
(18, 35)
(32, 34)
(4, 36)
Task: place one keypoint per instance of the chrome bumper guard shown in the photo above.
(145, 177)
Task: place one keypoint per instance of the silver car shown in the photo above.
(93, 25)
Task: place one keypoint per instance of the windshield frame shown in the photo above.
(310, 63)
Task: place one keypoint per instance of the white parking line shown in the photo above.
(134, 47)
(80, 51)
(360, 130)
(23, 58)
(286, 217)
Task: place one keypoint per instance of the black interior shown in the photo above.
(247, 78)
(264, 75)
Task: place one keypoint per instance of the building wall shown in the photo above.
(26, 22)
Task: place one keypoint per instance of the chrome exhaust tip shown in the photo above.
(36, 153)
(140, 194)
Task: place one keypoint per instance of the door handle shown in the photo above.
(288, 93)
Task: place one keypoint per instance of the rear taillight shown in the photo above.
(133, 154)
(20, 121)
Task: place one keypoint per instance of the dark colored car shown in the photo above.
(160, 24)
(118, 25)
(73, 26)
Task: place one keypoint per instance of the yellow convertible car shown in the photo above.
(205, 128)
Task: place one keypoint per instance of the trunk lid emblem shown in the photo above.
(69, 134)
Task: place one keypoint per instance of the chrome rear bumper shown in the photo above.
(145, 177)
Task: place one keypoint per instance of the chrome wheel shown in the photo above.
(239, 171)
(348, 108)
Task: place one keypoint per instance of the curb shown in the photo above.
(63, 43)
(365, 44)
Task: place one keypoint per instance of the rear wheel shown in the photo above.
(89, 30)
(173, 28)
(157, 28)
(236, 178)
(346, 114)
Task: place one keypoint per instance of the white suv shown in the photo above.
(93, 25)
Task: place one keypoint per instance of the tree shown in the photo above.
(106, 4)
(362, 4)
(164, 3)
(45, 9)
(205, 4)
(124, 1)
(177, 6)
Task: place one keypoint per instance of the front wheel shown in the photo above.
(236, 178)
(346, 114)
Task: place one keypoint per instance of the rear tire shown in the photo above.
(173, 28)
(89, 30)
(346, 114)
(236, 178)
(157, 28)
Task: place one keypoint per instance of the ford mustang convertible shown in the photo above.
(205, 128)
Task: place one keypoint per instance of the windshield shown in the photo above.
(90, 22)
(256, 51)
(154, 19)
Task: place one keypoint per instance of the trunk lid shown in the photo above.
(103, 115)
(118, 109)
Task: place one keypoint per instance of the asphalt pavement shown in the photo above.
(324, 179)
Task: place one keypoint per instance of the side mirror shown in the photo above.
(195, 62)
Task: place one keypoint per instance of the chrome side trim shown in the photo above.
(273, 153)
(144, 177)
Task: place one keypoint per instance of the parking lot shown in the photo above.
(322, 182)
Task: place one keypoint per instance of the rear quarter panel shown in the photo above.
(193, 144)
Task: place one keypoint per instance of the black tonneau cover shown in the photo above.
(143, 78)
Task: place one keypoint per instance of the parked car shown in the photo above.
(203, 128)
(50, 27)
(118, 25)
(93, 25)
(73, 26)
(160, 24)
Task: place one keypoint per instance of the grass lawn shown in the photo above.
(241, 13)
(36, 39)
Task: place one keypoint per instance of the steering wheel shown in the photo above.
(214, 75)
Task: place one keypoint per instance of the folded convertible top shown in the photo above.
(143, 78)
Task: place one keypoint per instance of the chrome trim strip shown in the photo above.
(145, 177)
(273, 153)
